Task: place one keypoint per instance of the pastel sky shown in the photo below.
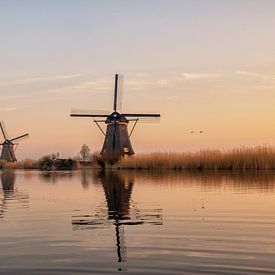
(204, 65)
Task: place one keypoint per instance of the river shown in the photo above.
(87, 222)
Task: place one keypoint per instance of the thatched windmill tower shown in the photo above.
(9, 145)
(117, 138)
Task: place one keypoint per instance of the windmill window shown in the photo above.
(126, 150)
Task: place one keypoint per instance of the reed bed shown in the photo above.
(24, 164)
(243, 158)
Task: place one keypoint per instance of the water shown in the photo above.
(138, 223)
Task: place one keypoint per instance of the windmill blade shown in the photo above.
(88, 113)
(118, 93)
(144, 118)
(20, 137)
(149, 119)
(141, 115)
(13, 157)
(3, 129)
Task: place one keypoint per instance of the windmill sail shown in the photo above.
(118, 93)
(20, 137)
(88, 113)
(3, 129)
(145, 119)
(141, 115)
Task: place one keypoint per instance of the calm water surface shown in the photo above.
(84, 222)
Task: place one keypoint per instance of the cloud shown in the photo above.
(265, 87)
(9, 109)
(101, 84)
(198, 76)
(258, 81)
(144, 82)
(39, 79)
(142, 74)
(13, 97)
(256, 75)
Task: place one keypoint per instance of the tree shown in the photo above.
(85, 152)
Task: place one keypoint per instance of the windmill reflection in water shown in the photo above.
(122, 211)
(9, 192)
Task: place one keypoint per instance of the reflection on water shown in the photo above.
(9, 193)
(84, 222)
(242, 181)
(122, 210)
(239, 181)
(53, 177)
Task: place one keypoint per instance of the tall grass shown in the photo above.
(244, 158)
(24, 164)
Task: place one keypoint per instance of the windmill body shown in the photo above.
(117, 141)
(117, 138)
(8, 153)
(8, 146)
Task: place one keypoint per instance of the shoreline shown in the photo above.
(238, 159)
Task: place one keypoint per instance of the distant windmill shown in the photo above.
(117, 139)
(8, 150)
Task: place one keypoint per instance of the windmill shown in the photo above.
(117, 138)
(8, 150)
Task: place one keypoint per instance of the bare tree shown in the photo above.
(85, 152)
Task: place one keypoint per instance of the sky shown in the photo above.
(204, 65)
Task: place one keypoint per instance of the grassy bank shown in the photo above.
(239, 159)
(244, 158)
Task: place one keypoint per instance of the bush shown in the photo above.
(64, 164)
(46, 163)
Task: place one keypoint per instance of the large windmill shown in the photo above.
(117, 138)
(9, 145)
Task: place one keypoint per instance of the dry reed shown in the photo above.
(244, 158)
(24, 164)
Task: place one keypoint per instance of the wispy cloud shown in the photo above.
(256, 75)
(98, 85)
(144, 82)
(39, 79)
(258, 81)
(8, 109)
(13, 97)
(198, 76)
